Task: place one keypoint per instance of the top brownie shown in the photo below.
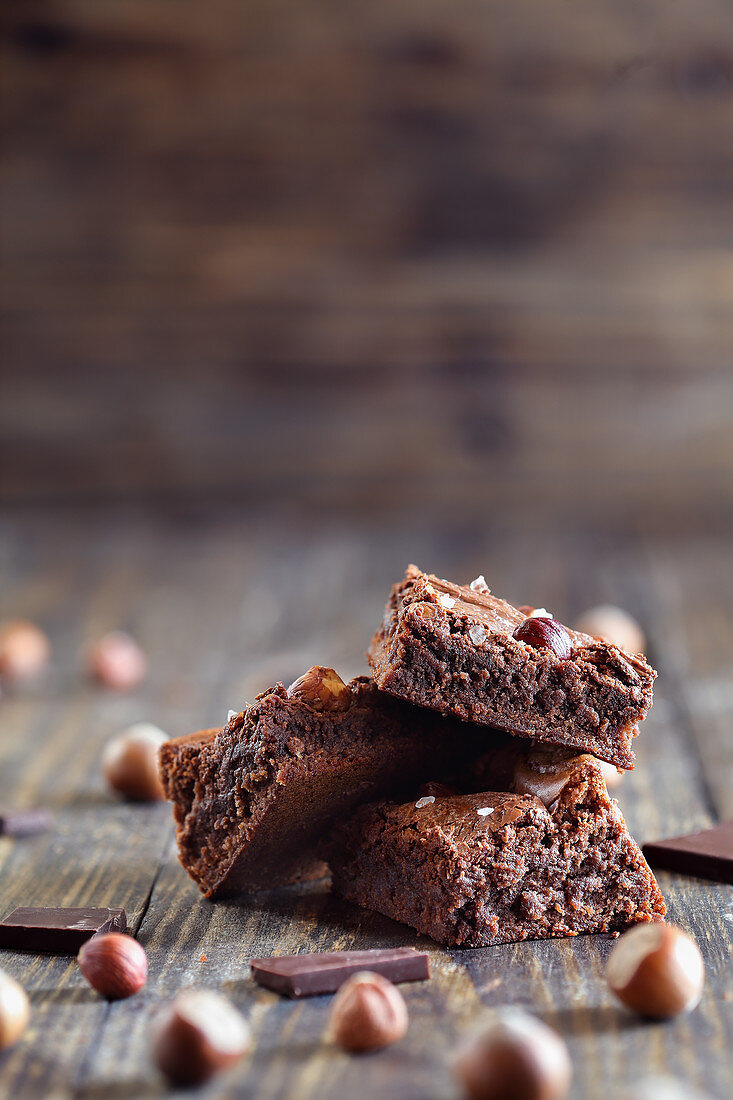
(461, 650)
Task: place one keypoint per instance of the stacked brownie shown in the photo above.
(459, 790)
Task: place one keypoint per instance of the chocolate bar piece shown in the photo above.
(57, 931)
(547, 854)
(708, 854)
(462, 651)
(24, 822)
(252, 800)
(326, 971)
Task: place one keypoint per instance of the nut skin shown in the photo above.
(367, 1013)
(130, 763)
(24, 650)
(613, 776)
(612, 624)
(197, 1035)
(113, 964)
(321, 688)
(117, 661)
(15, 1011)
(516, 1058)
(545, 633)
(656, 970)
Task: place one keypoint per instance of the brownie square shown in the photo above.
(551, 856)
(251, 800)
(452, 648)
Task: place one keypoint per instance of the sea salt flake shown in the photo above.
(424, 801)
(446, 601)
(484, 811)
(232, 714)
(479, 584)
(476, 634)
(540, 613)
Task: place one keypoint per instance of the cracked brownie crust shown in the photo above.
(451, 648)
(251, 800)
(549, 857)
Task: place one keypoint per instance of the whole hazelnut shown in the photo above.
(656, 970)
(367, 1013)
(24, 650)
(117, 661)
(614, 625)
(321, 688)
(130, 763)
(15, 1010)
(113, 964)
(516, 1058)
(197, 1035)
(544, 633)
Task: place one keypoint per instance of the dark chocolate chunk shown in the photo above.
(326, 971)
(708, 854)
(24, 822)
(57, 931)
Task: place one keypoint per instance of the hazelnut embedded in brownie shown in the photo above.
(549, 856)
(462, 651)
(252, 799)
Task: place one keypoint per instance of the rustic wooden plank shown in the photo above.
(224, 608)
(503, 246)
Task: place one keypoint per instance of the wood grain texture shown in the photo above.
(224, 608)
(475, 254)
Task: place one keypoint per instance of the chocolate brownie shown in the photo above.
(550, 856)
(455, 649)
(251, 800)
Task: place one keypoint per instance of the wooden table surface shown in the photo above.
(227, 606)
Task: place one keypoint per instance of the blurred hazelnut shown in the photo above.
(130, 763)
(656, 970)
(614, 625)
(368, 1013)
(117, 661)
(321, 688)
(614, 776)
(197, 1035)
(516, 1058)
(24, 650)
(113, 964)
(15, 1010)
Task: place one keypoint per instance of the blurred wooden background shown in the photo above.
(349, 257)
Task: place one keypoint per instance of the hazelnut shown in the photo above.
(368, 1013)
(15, 1010)
(656, 970)
(197, 1035)
(117, 661)
(544, 633)
(24, 650)
(516, 1058)
(130, 763)
(613, 775)
(321, 688)
(113, 964)
(613, 625)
